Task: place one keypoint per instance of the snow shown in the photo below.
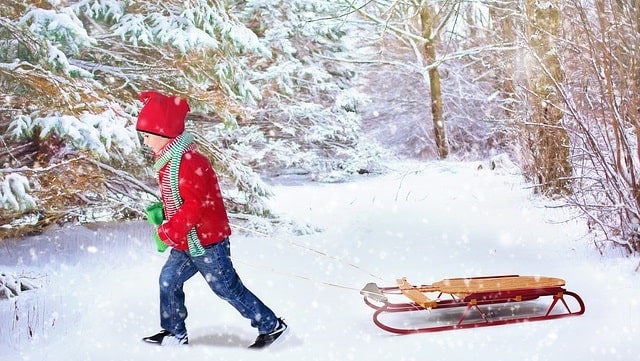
(14, 189)
(107, 9)
(62, 25)
(426, 222)
(100, 133)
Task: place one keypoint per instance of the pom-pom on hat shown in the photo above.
(161, 114)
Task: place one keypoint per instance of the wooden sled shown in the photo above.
(480, 301)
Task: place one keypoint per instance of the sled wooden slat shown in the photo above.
(465, 286)
(415, 294)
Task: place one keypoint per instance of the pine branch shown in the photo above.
(130, 180)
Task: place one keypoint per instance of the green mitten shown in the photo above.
(161, 246)
(155, 214)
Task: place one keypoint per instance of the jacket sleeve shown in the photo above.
(194, 178)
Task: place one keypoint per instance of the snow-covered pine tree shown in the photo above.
(55, 119)
(268, 95)
(307, 118)
(70, 75)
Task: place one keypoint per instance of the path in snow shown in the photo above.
(424, 222)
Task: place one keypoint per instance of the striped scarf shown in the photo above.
(172, 154)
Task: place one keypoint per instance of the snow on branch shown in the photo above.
(61, 27)
(14, 193)
(12, 285)
(99, 133)
(101, 9)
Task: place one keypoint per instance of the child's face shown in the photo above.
(154, 142)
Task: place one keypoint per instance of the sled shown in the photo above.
(459, 303)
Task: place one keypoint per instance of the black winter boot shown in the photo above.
(267, 339)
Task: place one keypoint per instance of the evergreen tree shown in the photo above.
(266, 95)
(307, 116)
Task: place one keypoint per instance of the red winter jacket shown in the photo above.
(202, 204)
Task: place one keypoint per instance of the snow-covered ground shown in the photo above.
(425, 222)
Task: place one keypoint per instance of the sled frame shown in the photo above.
(471, 295)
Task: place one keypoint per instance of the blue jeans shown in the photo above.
(216, 268)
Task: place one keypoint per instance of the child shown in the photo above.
(193, 221)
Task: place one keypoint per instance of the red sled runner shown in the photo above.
(470, 302)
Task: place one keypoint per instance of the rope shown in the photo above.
(307, 248)
(273, 270)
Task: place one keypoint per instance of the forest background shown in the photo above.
(325, 89)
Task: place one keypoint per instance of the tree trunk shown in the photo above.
(427, 21)
(551, 168)
(502, 17)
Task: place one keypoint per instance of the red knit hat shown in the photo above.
(162, 115)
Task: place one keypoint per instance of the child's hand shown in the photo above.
(161, 246)
(155, 214)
